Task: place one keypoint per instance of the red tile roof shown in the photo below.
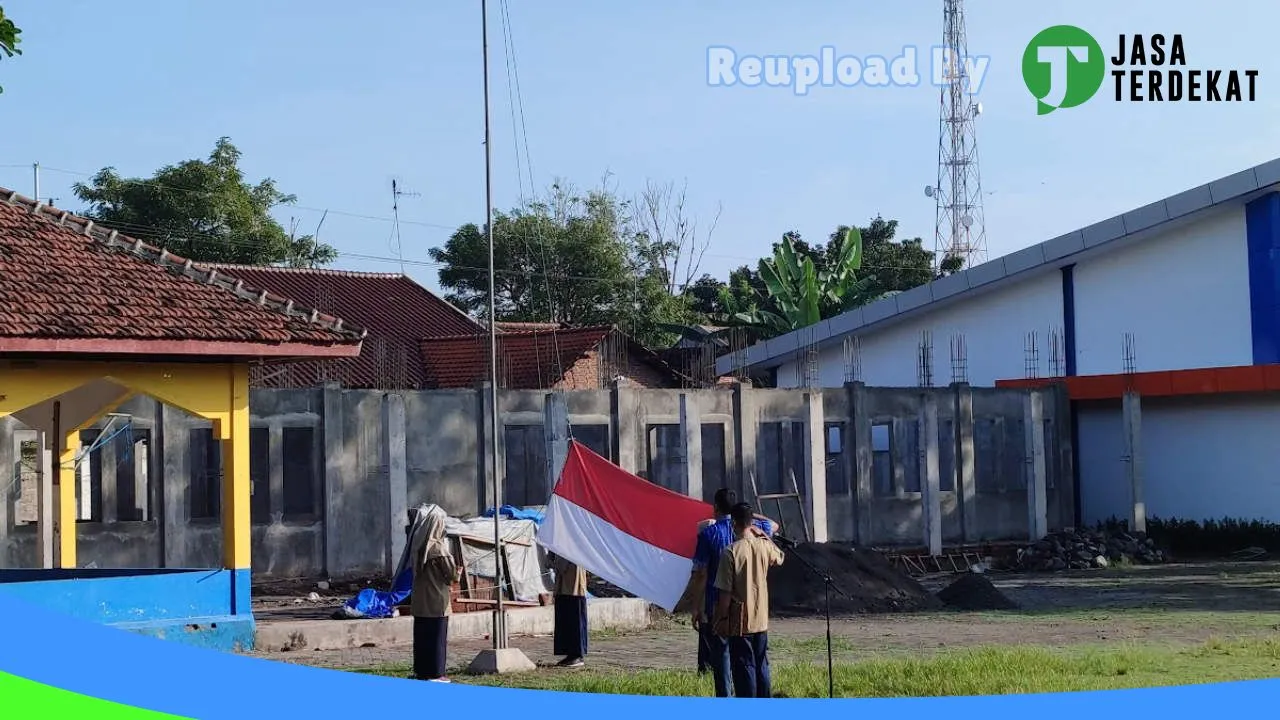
(398, 313)
(67, 285)
(528, 360)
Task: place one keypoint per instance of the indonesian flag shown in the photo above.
(622, 528)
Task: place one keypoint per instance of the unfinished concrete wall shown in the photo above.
(333, 470)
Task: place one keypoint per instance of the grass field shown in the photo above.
(977, 671)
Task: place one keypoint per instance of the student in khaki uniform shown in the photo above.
(742, 608)
(434, 571)
(570, 612)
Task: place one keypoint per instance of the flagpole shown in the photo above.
(499, 617)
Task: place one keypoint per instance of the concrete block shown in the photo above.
(1064, 245)
(501, 661)
(602, 614)
(1104, 232)
(1189, 201)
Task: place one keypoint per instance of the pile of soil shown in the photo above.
(972, 591)
(864, 582)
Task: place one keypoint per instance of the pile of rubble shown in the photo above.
(1082, 549)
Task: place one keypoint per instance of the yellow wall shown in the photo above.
(217, 391)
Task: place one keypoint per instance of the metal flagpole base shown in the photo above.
(500, 660)
(504, 661)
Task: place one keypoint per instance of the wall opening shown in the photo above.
(882, 459)
(525, 456)
(781, 458)
(300, 477)
(837, 477)
(664, 466)
(89, 479)
(595, 437)
(260, 475)
(132, 464)
(204, 461)
(715, 467)
(27, 475)
(946, 455)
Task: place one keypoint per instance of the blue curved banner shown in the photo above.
(140, 672)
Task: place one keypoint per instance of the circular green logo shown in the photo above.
(1063, 67)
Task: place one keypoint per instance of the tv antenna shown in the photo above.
(396, 194)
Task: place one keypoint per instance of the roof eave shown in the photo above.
(186, 348)
(1239, 188)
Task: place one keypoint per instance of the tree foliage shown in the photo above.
(10, 38)
(887, 266)
(580, 259)
(203, 210)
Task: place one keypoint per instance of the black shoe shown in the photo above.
(571, 662)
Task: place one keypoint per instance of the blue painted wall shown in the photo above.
(208, 608)
(1262, 222)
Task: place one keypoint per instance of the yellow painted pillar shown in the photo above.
(67, 514)
(235, 476)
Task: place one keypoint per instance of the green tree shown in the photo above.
(569, 258)
(203, 210)
(801, 294)
(9, 38)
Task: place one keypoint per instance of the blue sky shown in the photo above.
(336, 99)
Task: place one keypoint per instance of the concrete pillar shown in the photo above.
(691, 446)
(931, 515)
(46, 504)
(815, 460)
(1037, 498)
(858, 449)
(555, 429)
(393, 459)
(630, 434)
(9, 456)
(966, 483)
(1131, 407)
(488, 447)
(335, 457)
(171, 448)
(745, 431)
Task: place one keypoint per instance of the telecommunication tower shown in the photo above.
(960, 230)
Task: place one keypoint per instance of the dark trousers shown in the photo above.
(713, 653)
(570, 638)
(430, 645)
(749, 656)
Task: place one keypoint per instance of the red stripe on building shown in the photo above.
(637, 507)
(1168, 383)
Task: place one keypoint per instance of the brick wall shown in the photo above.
(585, 375)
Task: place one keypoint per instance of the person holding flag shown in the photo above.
(713, 539)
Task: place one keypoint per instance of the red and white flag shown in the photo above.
(623, 528)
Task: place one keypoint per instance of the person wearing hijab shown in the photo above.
(570, 638)
(434, 571)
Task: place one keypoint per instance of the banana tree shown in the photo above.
(803, 295)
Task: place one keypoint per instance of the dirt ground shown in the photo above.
(1168, 604)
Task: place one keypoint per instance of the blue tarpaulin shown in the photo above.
(516, 513)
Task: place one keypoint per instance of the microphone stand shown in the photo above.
(786, 544)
